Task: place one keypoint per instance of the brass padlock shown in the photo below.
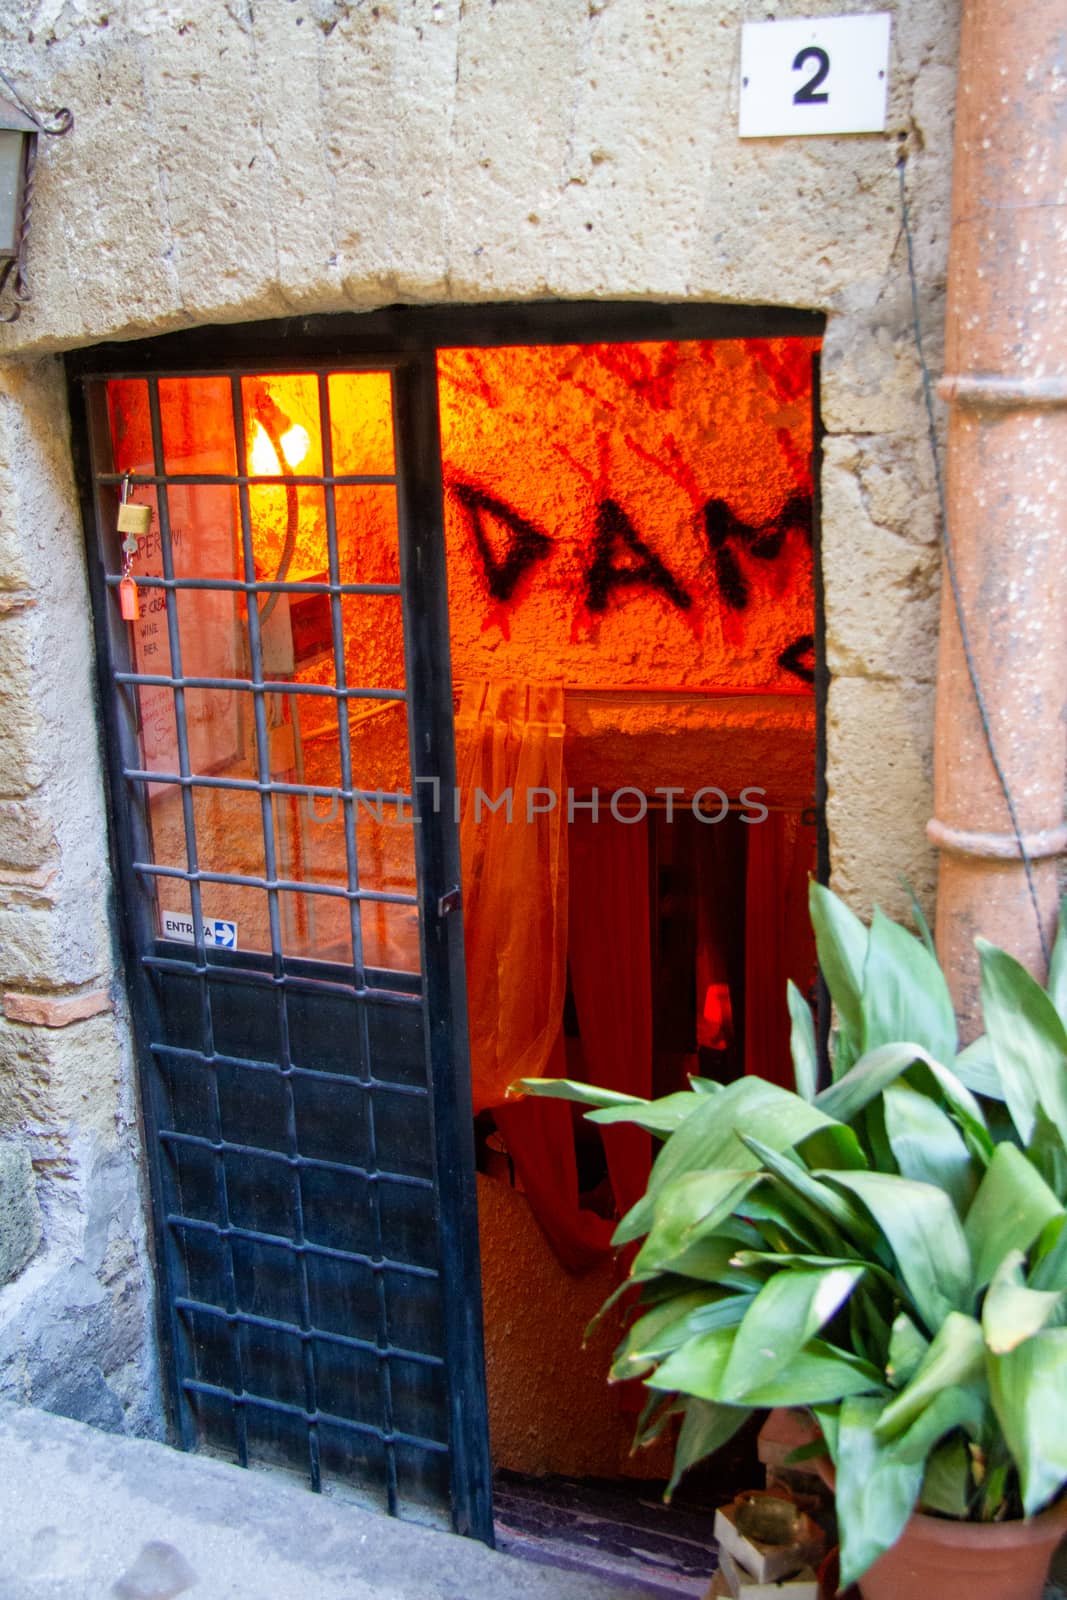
(134, 518)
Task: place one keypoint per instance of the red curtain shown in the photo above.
(779, 943)
(611, 978)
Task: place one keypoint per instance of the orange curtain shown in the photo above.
(779, 943)
(611, 977)
(509, 741)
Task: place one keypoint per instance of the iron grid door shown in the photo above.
(296, 974)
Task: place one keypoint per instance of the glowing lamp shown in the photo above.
(295, 443)
(719, 1015)
(19, 128)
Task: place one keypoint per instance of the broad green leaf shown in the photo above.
(830, 1213)
(584, 1094)
(709, 1139)
(705, 1085)
(905, 995)
(688, 1210)
(956, 1356)
(802, 1043)
(965, 1407)
(835, 1146)
(656, 1413)
(829, 1419)
(875, 1492)
(814, 1376)
(1013, 1204)
(841, 943)
(925, 1235)
(1047, 1153)
(927, 1145)
(791, 1259)
(1028, 1039)
(907, 1347)
(788, 1311)
(1050, 1271)
(1029, 1390)
(873, 1073)
(1013, 1312)
(705, 1428)
(947, 1481)
(660, 1117)
(1057, 972)
(976, 1068)
(659, 1330)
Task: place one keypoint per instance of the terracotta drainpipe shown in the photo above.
(1006, 386)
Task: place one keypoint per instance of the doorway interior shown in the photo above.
(624, 530)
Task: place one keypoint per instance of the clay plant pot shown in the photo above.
(968, 1560)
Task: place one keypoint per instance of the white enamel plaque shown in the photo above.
(814, 75)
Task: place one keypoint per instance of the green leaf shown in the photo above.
(786, 1313)
(706, 1427)
(658, 1331)
(1050, 1271)
(1028, 1040)
(660, 1117)
(709, 1138)
(905, 995)
(1057, 972)
(1013, 1312)
(976, 1068)
(835, 1146)
(873, 1074)
(1029, 1391)
(830, 1214)
(704, 1085)
(919, 918)
(1013, 1204)
(688, 1210)
(907, 1347)
(927, 1145)
(925, 1235)
(965, 1407)
(955, 1357)
(841, 944)
(585, 1094)
(875, 1492)
(814, 1376)
(802, 1043)
(946, 1486)
(1047, 1153)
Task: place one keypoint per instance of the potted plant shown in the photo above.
(889, 1251)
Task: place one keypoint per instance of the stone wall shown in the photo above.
(234, 161)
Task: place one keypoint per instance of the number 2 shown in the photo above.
(806, 95)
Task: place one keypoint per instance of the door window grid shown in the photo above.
(239, 1397)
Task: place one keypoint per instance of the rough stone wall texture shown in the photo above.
(233, 161)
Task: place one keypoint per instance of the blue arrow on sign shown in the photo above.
(222, 934)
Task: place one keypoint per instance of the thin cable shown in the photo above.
(950, 567)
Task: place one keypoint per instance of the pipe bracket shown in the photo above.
(1040, 845)
(988, 392)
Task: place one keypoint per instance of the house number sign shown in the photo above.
(814, 75)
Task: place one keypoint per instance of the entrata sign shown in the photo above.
(218, 935)
(814, 75)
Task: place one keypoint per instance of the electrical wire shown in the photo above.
(950, 566)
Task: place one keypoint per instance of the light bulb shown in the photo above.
(263, 456)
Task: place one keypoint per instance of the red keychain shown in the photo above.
(133, 519)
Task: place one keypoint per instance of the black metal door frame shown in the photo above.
(405, 339)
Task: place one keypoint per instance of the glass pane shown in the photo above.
(361, 419)
(131, 425)
(374, 641)
(288, 534)
(282, 424)
(368, 543)
(197, 421)
(204, 530)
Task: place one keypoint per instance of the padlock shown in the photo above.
(134, 518)
(129, 604)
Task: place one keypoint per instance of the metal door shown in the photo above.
(302, 1049)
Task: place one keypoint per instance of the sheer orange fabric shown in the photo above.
(509, 742)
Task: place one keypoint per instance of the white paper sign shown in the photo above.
(808, 75)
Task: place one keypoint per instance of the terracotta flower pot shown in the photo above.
(968, 1560)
